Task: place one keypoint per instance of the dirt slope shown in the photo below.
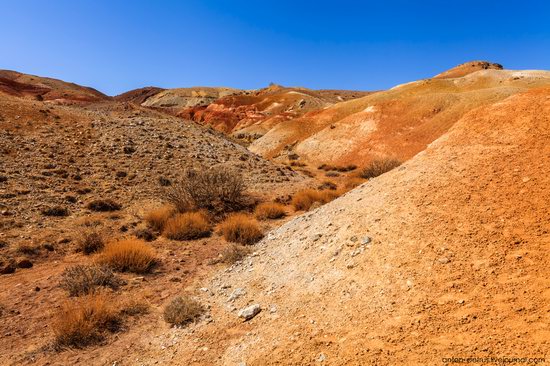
(173, 100)
(253, 113)
(456, 264)
(399, 122)
(138, 96)
(48, 89)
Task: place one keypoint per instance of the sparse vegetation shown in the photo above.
(157, 218)
(187, 226)
(337, 168)
(134, 306)
(90, 242)
(81, 280)
(216, 190)
(234, 253)
(85, 321)
(241, 228)
(269, 210)
(58, 211)
(378, 167)
(327, 185)
(305, 199)
(128, 255)
(182, 310)
(105, 205)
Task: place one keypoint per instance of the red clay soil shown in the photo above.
(41, 88)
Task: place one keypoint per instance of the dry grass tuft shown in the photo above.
(128, 255)
(303, 200)
(353, 182)
(158, 217)
(85, 321)
(241, 228)
(379, 167)
(106, 205)
(90, 242)
(269, 210)
(187, 226)
(182, 310)
(81, 280)
(217, 190)
(58, 211)
(134, 306)
(234, 253)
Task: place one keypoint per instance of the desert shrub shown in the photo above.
(327, 185)
(128, 255)
(378, 167)
(234, 253)
(157, 218)
(217, 190)
(133, 306)
(28, 249)
(241, 228)
(104, 205)
(145, 234)
(353, 182)
(187, 226)
(90, 242)
(55, 211)
(81, 280)
(85, 321)
(303, 200)
(269, 210)
(182, 310)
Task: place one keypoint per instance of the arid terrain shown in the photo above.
(278, 226)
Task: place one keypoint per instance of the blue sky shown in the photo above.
(115, 45)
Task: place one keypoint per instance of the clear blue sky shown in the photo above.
(115, 45)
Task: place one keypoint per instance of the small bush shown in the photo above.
(216, 190)
(59, 211)
(85, 321)
(134, 306)
(182, 310)
(104, 205)
(327, 185)
(353, 182)
(234, 253)
(90, 242)
(158, 217)
(303, 200)
(379, 167)
(241, 228)
(129, 255)
(84, 279)
(187, 226)
(269, 210)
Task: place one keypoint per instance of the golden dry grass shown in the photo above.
(128, 255)
(241, 228)
(269, 210)
(187, 226)
(182, 310)
(85, 321)
(303, 200)
(157, 218)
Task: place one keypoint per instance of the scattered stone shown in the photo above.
(443, 260)
(250, 312)
(366, 240)
(238, 292)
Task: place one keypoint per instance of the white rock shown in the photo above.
(250, 312)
